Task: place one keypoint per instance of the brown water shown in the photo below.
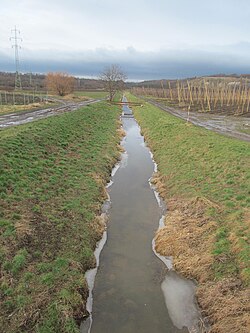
(129, 295)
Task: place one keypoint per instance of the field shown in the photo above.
(223, 95)
(92, 94)
(205, 180)
(53, 174)
(27, 101)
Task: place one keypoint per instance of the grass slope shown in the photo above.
(52, 181)
(200, 168)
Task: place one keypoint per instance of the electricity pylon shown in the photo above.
(16, 46)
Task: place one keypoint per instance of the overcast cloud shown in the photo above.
(148, 38)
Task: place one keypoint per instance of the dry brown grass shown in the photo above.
(99, 225)
(189, 236)
(121, 132)
(227, 305)
(4, 109)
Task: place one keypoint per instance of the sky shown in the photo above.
(149, 39)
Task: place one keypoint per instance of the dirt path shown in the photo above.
(18, 118)
(223, 124)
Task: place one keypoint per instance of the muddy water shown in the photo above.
(131, 284)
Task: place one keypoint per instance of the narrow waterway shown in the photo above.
(128, 295)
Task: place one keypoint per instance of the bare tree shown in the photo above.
(60, 83)
(113, 78)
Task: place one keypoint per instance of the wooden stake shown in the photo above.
(178, 91)
(190, 94)
(170, 90)
(207, 97)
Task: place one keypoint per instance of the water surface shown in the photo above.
(127, 293)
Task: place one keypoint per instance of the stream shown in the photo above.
(133, 291)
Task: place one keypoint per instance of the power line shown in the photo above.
(16, 38)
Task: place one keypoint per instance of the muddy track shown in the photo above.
(19, 118)
(226, 125)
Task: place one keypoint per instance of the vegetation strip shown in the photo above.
(204, 178)
(53, 177)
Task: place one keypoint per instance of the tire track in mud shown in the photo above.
(19, 118)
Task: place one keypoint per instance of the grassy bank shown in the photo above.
(53, 174)
(205, 180)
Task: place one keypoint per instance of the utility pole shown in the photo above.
(15, 37)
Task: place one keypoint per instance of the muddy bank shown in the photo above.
(189, 236)
(223, 124)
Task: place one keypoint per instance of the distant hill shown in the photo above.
(163, 82)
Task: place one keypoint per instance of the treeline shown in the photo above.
(33, 81)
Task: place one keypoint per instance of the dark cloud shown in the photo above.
(87, 35)
(138, 65)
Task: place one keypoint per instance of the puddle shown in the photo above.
(179, 296)
(133, 291)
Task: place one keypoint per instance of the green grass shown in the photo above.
(91, 94)
(196, 162)
(51, 182)
(96, 94)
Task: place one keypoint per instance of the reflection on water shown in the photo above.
(179, 297)
(131, 282)
(127, 293)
